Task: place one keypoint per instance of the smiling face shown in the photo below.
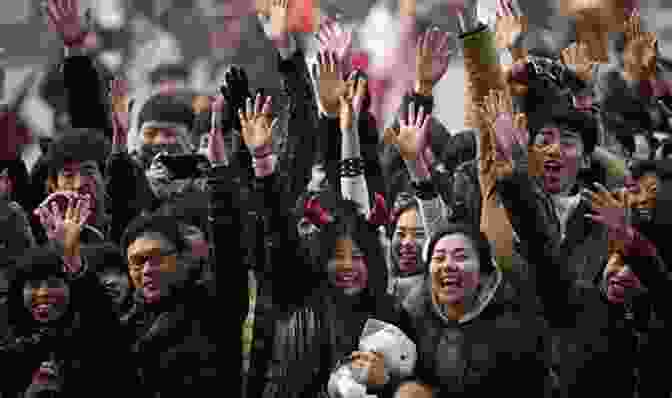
(47, 300)
(455, 269)
(562, 151)
(347, 269)
(409, 237)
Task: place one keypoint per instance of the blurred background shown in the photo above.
(136, 35)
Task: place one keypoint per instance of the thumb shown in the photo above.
(390, 136)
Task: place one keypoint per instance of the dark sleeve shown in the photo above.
(286, 262)
(464, 196)
(532, 220)
(329, 143)
(86, 94)
(128, 191)
(295, 162)
(459, 148)
(225, 215)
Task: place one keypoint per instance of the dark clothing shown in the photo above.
(74, 341)
(483, 356)
(175, 343)
(594, 337)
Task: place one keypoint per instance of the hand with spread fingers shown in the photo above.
(63, 16)
(579, 58)
(433, 53)
(374, 362)
(413, 140)
(639, 56)
(611, 210)
(334, 39)
(511, 28)
(257, 125)
(331, 84)
(61, 227)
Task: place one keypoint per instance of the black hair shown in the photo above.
(168, 71)
(477, 238)
(404, 201)
(167, 108)
(168, 227)
(77, 145)
(36, 264)
(348, 222)
(584, 123)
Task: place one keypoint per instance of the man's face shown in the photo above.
(47, 300)
(562, 152)
(159, 136)
(153, 266)
(84, 178)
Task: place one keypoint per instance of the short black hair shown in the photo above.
(477, 237)
(103, 257)
(79, 145)
(166, 226)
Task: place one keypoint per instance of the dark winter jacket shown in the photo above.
(484, 353)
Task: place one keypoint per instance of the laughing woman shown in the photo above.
(58, 313)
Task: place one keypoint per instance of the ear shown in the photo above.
(585, 162)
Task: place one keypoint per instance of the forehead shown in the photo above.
(345, 244)
(148, 242)
(453, 242)
(408, 218)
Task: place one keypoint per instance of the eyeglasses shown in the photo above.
(158, 258)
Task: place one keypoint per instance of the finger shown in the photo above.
(442, 46)
(266, 109)
(421, 117)
(322, 38)
(425, 44)
(499, 10)
(241, 116)
(362, 87)
(508, 8)
(53, 12)
(411, 114)
(257, 105)
(249, 109)
(390, 135)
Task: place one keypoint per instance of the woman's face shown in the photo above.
(347, 269)
(408, 240)
(455, 269)
(47, 300)
(621, 282)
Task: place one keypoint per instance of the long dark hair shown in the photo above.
(347, 222)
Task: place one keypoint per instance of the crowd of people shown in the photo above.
(358, 258)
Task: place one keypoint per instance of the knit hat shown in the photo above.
(167, 109)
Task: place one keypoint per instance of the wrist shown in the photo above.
(263, 165)
(216, 121)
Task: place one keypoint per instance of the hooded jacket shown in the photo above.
(484, 352)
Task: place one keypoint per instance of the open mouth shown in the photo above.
(346, 277)
(452, 281)
(554, 168)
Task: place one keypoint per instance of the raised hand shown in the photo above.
(331, 84)
(333, 38)
(611, 210)
(257, 125)
(352, 101)
(120, 121)
(504, 141)
(65, 227)
(432, 58)
(64, 18)
(578, 56)
(279, 23)
(640, 51)
(511, 27)
(235, 90)
(413, 135)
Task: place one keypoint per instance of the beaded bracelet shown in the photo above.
(352, 167)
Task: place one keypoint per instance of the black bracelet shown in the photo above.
(352, 167)
(425, 190)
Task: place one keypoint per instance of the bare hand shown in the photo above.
(120, 118)
(578, 56)
(279, 23)
(640, 52)
(334, 39)
(374, 362)
(413, 136)
(331, 84)
(64, 18)
(432, 56)
(65, 228)
(511, 25)
(256, 124)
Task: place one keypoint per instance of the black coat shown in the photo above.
(500, 351)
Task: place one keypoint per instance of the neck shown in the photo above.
(454, 312)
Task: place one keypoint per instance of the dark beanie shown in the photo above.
(79, 145)
(166, 108)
